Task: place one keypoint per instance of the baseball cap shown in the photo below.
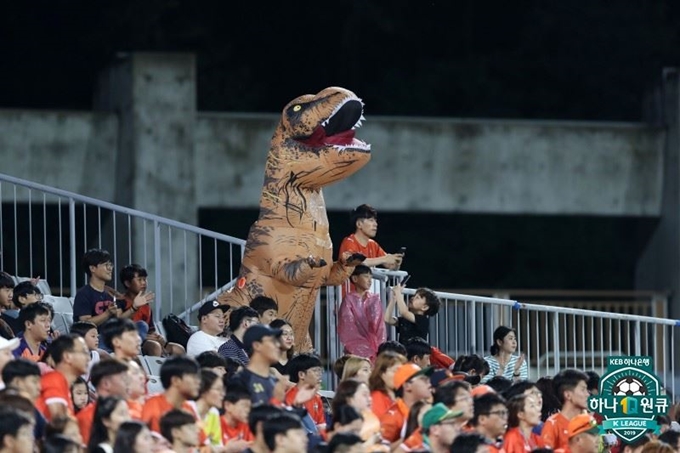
(210, 306)
(583, 423)
(481, 389)
(9, 344)
(257, 332)
(408, 371)
(437, 414)
(441, 377)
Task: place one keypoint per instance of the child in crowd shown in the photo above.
(236, 435)
(79, 394)
(305, 371)
(267, 309)
(90, 334)
(360, 326)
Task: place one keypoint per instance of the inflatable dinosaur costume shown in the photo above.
(288, 248)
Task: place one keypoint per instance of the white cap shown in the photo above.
(675, 426)
(9, 344)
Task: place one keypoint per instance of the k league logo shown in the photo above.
(630, 398)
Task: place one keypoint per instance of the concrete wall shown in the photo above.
(475, 166)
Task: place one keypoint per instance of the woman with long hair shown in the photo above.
(357, 395)
(524, 414)
(133, 437)
(357, 368)
(503, 361)
(286, 344)
(110, 413)
(381, 381)
(208, 404)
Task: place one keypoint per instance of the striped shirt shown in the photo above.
(509, 370)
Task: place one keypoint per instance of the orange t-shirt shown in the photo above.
(85, 418)
(157, 406)
(142, 314)
(239, 432)
(414, 442)
(370, 250)
(54, 390)
(393, 421)
(135, 408)
(314, 406)
(555, 433)
(515, 442)
(380, 402)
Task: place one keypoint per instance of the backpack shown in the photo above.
(176, 330)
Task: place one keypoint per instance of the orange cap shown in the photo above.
(408, 371)
(583, 423)
(482, 389)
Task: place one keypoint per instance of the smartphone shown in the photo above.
(402, 250)
(404, 280)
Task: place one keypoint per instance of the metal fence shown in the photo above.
(45, 231)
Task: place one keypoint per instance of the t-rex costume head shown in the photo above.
(288, 247)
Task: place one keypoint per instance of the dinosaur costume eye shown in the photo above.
(297, 108)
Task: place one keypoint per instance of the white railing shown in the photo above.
(45, 231)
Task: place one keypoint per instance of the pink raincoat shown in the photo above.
(361, 327)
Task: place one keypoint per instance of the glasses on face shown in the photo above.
(316, 370)
(108, 265)
(502, 413)
(463, 398)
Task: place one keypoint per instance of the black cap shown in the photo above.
(210, 306)
(257, 332)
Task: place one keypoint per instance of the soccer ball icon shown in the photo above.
(629, 386)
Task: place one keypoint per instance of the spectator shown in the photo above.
(25, 294)
(16, 431)
(672, 438)
(111, 412)
(413, 432)
(503, 361)
(136, 391)
(65, 427)
(236, 434)
(490, 419)
(636, 447)
(475, 367)
(134, 279)
(283, 433)
(133, 437)
(210, 325)
(593, 383)
(121, 336)
(79, 394)
(208, 403)
(181, 380)
(412, 384)
(256, 418)
(345, 419)
(364, 220)
(551, 404)
(572, 392)
(8, 311)
(381, 381)
(358, 368)
(470, 442)
(413, 320)
(6, 348)
(267, 309)
(240, 320)
(663, 422)
(339, 365)
(418, 351)
(583, 433)
(360, 326)
(394, 346)
(456, 395)
(211, 360)
(71, 358)
(180, 428)
(499, 384)
(24, 376)
(306, 373)
(90, 334)
(92, 302)
(357, 395)
(286, 344)
(110, 379)
(441, 426)
(35, 320)
(524, 414)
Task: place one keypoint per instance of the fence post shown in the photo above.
(157, 269)
(72, 244)
(637, 338)
(556, 343)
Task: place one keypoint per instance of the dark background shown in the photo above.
(583, 60)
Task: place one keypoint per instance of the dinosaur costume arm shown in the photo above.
(297, 271)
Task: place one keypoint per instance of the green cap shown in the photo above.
(437, 414)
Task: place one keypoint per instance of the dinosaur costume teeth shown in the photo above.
(289, 246)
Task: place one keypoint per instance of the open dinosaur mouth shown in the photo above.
(339, 128)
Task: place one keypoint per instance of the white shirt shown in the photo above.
(200, 341)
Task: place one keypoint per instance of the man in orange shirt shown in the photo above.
(364, 219)
(571, 387)
(236, 434)
(305, 371)
(411, 384)
(71, 358)
(110, 378)
(490, 419)
(181, 380)
(583, 434)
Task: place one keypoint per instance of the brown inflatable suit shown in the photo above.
(288, 248)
